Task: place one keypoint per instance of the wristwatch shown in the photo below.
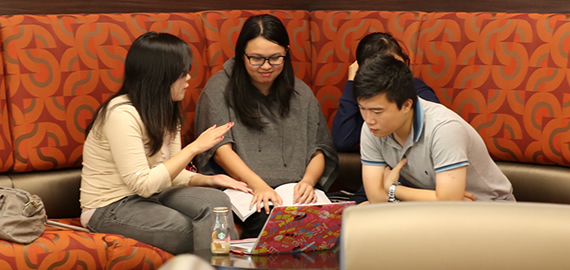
(392, 193)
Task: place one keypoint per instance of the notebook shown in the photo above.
(296, 228)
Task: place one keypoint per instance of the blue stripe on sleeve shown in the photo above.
(373, 163)
(451, 167)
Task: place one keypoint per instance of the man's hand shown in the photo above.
(393, 175)
(304, 193)
(468, 196)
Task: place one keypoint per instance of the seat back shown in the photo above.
(456, 235)
(505, 74)
(58, 70)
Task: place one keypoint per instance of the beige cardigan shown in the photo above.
(116, 162)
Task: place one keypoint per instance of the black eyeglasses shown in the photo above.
(259, 61)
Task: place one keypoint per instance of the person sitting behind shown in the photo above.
(280, 136)
(440, 155)
(133, 180)
(348, 121)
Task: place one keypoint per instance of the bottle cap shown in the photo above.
(220, 209)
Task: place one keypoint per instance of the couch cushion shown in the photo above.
(506, 74)
(222, 28)
(60, 68)
(67, 249)
(335, 36)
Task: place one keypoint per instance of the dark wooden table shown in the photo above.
(328, 259)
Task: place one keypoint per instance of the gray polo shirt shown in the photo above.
(440, 140)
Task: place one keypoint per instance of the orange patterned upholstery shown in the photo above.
(222, 29)
(66, 249)
(60, 68)
(334, 38)
(6, 153)
(507, 75)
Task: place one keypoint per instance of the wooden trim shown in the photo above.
(11, 7)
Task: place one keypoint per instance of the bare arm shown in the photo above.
(228, 159)
(372, 179)
(449, 186)
(304, 190)
(205, 141)
(175, 165)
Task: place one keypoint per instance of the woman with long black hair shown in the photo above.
(134, 180)
(280, 135)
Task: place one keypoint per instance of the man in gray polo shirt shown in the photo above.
(440, 155)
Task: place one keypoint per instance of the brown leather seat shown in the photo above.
(456, 235)
(538, 183)
(59, 189)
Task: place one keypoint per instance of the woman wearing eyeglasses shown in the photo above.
(280, 134)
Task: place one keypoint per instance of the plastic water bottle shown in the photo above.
(221, 232)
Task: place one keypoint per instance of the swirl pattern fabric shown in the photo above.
(60, 68)
(6, 153)
(507, 75)
(334, 38)
(67, 249)
(222, 28)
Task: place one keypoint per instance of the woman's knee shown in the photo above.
(194, 201)
(218, 198)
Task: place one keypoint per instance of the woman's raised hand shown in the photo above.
(211, 137)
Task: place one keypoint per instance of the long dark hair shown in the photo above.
(240, 92)
(154, 62)
(380, 43)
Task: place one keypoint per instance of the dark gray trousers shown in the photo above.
(177, 220)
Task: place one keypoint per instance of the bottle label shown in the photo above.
(220, 243)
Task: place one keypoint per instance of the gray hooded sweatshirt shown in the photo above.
(280, 152)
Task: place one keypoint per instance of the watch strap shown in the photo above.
(392, 193)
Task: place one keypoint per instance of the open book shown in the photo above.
(241, 200)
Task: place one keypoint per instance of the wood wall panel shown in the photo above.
(8, 7)
(512, 6)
